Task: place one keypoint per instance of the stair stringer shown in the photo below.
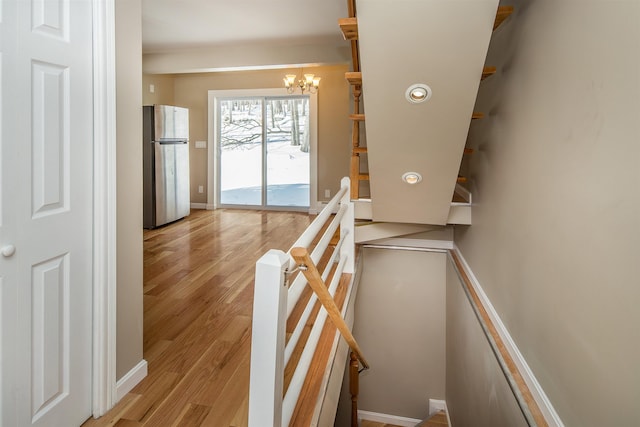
(439, 43)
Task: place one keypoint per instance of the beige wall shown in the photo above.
(555, 240)
(478, 393)
(162, 89)
(234, 56)
(129, 185)
(400, 326)
(191, 90)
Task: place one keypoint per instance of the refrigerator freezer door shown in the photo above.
(172, 182)
(171, 123)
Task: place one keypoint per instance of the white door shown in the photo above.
(46, 212)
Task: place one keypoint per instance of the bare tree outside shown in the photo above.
(281, 126)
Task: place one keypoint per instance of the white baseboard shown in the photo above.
(387, 419)
(198, 206)
(131, 379)
(538, 394)
(436, 406)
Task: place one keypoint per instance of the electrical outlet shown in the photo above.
(201, 144)
(152, 88)
(327, 193)
(200, 188)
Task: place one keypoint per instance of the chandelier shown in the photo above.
(309, 83)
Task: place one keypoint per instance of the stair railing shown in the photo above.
(274, 301)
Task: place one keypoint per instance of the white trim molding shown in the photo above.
(213, 174)
(198, 206)
(548, 411)
(131, 379)
(104, 208)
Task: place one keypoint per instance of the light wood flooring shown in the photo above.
(198, 294)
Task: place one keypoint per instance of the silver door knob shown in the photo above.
(8, 250)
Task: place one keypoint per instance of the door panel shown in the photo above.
(287, 151)
(50, 334)
(46, 202)
(50, 138)
(241, 152)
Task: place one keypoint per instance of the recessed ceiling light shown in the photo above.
(411, 177)
(418, 93)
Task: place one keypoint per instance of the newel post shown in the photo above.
(268, 340)
(347, 225)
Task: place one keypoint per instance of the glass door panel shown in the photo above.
(241, 152)
(287, 136)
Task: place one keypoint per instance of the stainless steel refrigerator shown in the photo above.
(166, 164)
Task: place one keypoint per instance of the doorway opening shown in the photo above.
(264, 150)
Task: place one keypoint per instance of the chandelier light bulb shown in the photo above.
(308, 83)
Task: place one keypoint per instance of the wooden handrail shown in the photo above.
(302, 258)
(516, 381)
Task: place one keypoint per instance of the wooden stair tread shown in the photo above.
(503, 13)
(357, 117)
(367, 423)
(488, 71)
(457, 198)
(461, 179)
(353, 77)
(304, 409)
(438, 419)
(476, 116)
(349, 28)
(468, 150)
(363, 177)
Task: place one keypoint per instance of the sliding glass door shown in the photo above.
(241, 137)
(264, 152)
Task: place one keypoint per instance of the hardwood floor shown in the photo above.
(198, 300)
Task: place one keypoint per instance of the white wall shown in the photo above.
(245, 57)
(129, 184)
(400, 326)
(478, 393)
(334, 131)
(555, 240)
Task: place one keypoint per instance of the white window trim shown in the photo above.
(212, 146)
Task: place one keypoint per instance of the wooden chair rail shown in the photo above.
(531, 409)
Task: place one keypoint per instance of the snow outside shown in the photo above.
(287, 151)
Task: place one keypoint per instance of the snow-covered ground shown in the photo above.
(242, 168)
(241, 164)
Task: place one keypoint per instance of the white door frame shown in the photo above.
(104, 208)
(212, 146)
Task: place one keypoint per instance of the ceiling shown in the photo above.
(169, 25)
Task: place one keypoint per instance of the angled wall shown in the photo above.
(555, 241)
(478, 393)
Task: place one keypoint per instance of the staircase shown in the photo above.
(439, 419)
(394, 45)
